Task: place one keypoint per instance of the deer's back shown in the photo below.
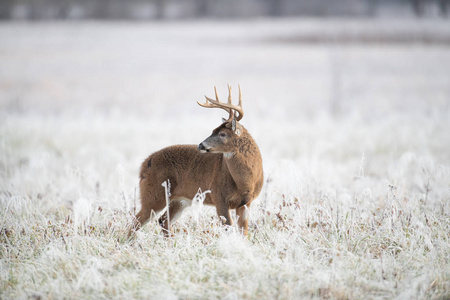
(184, 166)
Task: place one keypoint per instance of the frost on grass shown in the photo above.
(381, 231)
(355, 205)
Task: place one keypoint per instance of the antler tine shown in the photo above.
(241, 111)
(215, 91)
(229, 94)
(240, 96)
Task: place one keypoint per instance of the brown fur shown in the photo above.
(231, 170)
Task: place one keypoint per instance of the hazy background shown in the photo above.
(189, 9)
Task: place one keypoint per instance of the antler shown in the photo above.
(235, 111)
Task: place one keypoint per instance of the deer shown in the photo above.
(228, 164)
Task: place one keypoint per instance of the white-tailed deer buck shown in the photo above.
(228, 163)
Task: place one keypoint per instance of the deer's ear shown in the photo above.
(236, 127)
(233, 125)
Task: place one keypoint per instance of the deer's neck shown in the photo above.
(245, 162)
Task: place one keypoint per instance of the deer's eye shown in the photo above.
(222, 134)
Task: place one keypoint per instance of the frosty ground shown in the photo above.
(352, 119)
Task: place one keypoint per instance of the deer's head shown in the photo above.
(224, 138)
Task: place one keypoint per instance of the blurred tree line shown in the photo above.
(179, 9)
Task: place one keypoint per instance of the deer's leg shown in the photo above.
(176, 207)
(152, 201)
(223, 211)
(139, 220)
(242, 213)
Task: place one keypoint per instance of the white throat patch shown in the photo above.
(228, 154)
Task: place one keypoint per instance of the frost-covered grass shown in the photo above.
(354, 137)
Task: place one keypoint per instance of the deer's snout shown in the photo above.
(203, 148)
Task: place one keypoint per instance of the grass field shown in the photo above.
(352, 119)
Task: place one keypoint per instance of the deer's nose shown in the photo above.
(202, 148)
